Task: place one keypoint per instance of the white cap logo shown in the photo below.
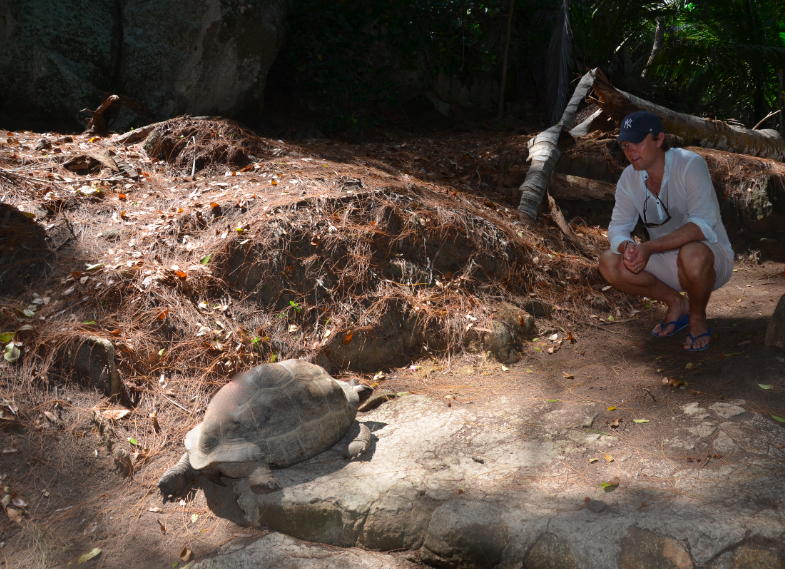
(628, 124)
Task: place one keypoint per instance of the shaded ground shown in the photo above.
(75, 502)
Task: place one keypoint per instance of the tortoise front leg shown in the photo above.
(174, 480)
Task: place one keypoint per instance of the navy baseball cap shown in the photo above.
(637, 125)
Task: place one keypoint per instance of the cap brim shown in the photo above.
(632, 136)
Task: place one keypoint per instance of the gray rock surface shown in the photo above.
(775, 331)
(420, 487)
(185, 56)
(201, 57)
(277, 551)
(56, 56)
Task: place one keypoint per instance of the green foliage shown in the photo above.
(723, 55)
(351, 55)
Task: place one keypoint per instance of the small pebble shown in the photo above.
(596, 506)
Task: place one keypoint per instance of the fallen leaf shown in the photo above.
(6, 337)
(14, 515)
(777, 418)
(206, 259)
(115, 414)
(133, 441)
(640, 420)
(185, 554)
(162, 526)
(11, 353)
(615, 422)
(593, 460)
(162, 315)
(378, 376)
(611, 408)
(567, 375)
(89, 555)
(505, 368)
(181, 274)
(611, 484)
(51, 416)
(293, 328)
(688, 366)
(156, 510)
(18, 501)
(347, 337)
(553, 400)
(194, 517)
(764, 386)
(89, 322)
(607, 457)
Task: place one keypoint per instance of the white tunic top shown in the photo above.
(686, 191)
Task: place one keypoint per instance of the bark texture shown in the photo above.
(706, 133)
(544, 152)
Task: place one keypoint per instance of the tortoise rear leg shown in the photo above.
(262, 479)
(174, 480)
(258, 474)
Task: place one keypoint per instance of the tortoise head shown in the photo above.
(363, 391)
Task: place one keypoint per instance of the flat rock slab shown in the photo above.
(277, 551)
(512, 485)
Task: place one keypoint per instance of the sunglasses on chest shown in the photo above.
(652, 225)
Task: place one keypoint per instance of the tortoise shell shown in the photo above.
(281, 414)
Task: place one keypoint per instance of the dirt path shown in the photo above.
(77, 503)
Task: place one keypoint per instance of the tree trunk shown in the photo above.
(695, 131)
(544, 152)
(659, 39)
(781, 105)
(503, 85)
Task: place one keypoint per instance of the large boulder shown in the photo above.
(170, 58)
(775, 332)
(201, 57)
(55, 58)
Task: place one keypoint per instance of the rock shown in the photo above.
(772, 250)
(282, 552)
(378, 397)
(58, 57)
(726, 410)
(642, 549)
(110, 234)
(775, 332)
(749, 557)
(724, 445)
(94, 358)
(504, 340)
(596, 506)
(399, 520)
(215, 64)
(538, 308)
(570, 416)
(465, 534)
(549, 552)
(54, 55)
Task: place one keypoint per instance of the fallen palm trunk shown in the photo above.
(705, 133)
(564, 187)
(544, 152)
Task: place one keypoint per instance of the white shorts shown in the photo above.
(665, 266)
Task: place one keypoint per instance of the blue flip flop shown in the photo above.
(679, 324)
(692, 342)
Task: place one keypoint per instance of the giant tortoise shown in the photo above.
(273, 415)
